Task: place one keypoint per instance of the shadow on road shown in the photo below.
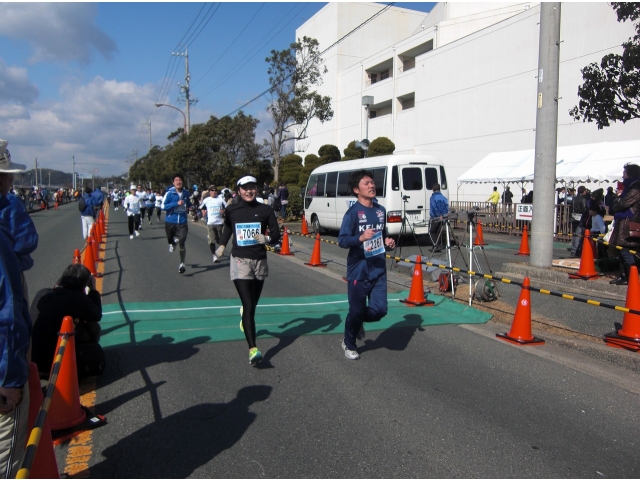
(396, 337)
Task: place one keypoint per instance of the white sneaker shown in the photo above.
(149, 222)
(350, 354)
(137, 233)
(131, 237)
(215, 258)
(172, 247)
(181, 268)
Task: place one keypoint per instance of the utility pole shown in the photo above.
(73, 171)
(544, 173)
(36, 172)
(148, 124)
(185, 88)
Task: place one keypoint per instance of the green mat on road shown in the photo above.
(218, 320)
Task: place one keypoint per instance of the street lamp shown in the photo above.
(171, 106)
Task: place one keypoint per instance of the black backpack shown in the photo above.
(81, 204)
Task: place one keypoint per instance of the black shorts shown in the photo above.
(176, 230)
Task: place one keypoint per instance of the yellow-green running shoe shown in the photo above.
(241, 326)
(254, 356)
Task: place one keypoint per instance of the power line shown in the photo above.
(188, 29)
(189, 41)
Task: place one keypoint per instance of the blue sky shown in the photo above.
(81, 78)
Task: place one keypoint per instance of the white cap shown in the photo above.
(247, 179)
(6, 165)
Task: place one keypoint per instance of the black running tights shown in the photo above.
(249, 292)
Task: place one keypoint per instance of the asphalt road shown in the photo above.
(445, 401)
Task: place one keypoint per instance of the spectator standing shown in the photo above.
(507, 198)
(608, 200)
(98, 200)
(438, 209)
(283, 195)
(271, 200)
(74, 295)
(626, 208)
(494, 198)
(15, 328)
(87, 212)
(579, 214)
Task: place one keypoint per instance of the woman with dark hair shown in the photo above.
(74, 295)
(248, 221)
(626, 208)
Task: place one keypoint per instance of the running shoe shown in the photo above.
(350, 354)
(215, 258)
(241, 326)
(137, 233)
(131, 237)
(181, 268)
(149, 222)
(254, 356)
(171, 248)
(361, 333)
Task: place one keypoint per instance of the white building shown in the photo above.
(457, 83)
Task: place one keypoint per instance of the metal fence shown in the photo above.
(501, 218)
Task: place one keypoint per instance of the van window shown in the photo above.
(332, 181)
(395, 179)
(315, 187)
(430, 177)
(343, 184)
(379, 175)
(411, 178)
(443, 179)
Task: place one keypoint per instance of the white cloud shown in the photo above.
(58, 32)
(15, 85)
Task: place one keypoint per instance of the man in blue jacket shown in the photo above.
(177, 204)
(438, 209)
(363, 233)
(88, 213)
(15, 334)
(98, 200)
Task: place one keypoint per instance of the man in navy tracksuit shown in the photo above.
(176, 203)
(363, 233)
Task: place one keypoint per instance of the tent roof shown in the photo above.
(594, 162)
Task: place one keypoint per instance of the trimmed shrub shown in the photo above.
(329, 153)
(353, 153)
(311, 161)
(381, 146)
(290, 168)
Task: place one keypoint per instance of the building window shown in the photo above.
(408, 103)
(373, 77)
(372, 114)
(384, 75)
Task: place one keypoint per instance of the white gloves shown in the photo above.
(262, 238)
(220, 251)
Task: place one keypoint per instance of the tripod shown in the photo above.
(444, 229)
(403, 230)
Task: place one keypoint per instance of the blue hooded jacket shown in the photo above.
(21, 227)
(176, 213)
(88, 211)
(15, 322)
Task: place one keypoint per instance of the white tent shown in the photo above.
(594, 162)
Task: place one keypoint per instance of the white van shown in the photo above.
(403, 187)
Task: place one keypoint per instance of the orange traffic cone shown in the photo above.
(479, 241)
(416, 293)
(97, 240)
(76, 257)
(67, 417)
(315, 260)
(94, 246)
(524, 243)
(587, 270)
(44, 462)
(305, 230)
(65, 410)
(520, 333)
(89, 260)
(285, 250)
(628, 336)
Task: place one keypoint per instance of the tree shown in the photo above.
(293, 73)
(611, 90)
(291, 168)
(353, 153)
(311, 162)
(381, 146)
(329, 153)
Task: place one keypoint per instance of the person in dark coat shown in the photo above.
(626, 208)
(69, 297)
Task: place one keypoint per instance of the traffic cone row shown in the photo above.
(587, 270)
(315, 260)
(67, 417)
(520, 333)
(76, 257)
(416, 296)
(89, 259)
(524, 243)
(628, 337)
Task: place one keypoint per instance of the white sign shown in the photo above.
(524, 212)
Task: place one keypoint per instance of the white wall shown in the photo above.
(477, 94)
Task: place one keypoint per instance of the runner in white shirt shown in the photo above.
(143, 195)
(159, 197)
(213, 206)
(116, 198)
(131, 205)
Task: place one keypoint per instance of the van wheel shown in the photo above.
(315, 224)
